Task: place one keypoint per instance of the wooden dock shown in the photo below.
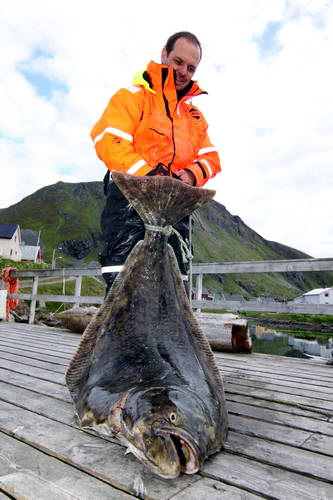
(280, 444)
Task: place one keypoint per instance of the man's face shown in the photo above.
(184, 59)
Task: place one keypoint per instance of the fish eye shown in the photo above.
(173, 417)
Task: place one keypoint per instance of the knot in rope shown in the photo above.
(168, 231)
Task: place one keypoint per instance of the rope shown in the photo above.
(12, 286)
(168, 231)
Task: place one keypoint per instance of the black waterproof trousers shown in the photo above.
(122, 228)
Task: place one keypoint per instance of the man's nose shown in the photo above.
(182, 70)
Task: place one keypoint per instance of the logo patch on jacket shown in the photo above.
(195, 113)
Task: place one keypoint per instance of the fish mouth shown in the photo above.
(167, 453)
(186, 450)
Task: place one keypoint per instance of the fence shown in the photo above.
(199, 270)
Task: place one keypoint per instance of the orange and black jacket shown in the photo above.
(146, 125)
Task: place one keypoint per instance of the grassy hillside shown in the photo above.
(68, 214)
(62, 211)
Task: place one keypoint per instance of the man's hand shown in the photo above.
(185, 176)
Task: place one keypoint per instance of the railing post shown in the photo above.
(199, 288)
(77, 292)
(33, 302)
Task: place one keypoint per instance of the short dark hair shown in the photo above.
(182, 34)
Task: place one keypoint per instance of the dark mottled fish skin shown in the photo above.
(144, 370)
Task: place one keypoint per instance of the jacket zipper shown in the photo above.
(172, 130)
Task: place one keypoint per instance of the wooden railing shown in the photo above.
(199, 270)
(266, 266)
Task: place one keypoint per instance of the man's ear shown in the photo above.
(163, 55)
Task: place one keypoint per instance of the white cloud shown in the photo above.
(270, 111)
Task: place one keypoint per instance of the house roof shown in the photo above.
(7, 230)
(317, 291)
(29, 252)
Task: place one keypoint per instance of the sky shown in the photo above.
(267, 68)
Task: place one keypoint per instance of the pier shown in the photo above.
(280, 444)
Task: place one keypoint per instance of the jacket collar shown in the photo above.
(159, 79)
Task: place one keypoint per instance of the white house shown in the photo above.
(316, 296)
(10, 240)
(31, 253)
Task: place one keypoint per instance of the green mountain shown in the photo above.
(67, 214)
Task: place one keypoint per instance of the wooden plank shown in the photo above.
(277, 307)
(288, 457)
(33, 362)
(27, 473)
(38, 402)
(288, 408)
(63, 349)
(281, 397)
(277, 360)
(280, 376)
(42, 329)
(94, 455)
(271, 482)
(322, 444)
(282, 434)
(316, 376)
(33, 302)
(32, 371)
(279, 417)
(318, 392)
(26, 348)
(279, 364)
(264, 266)
(283, 377)
(68, 299)
(77, 291)
(39, 336)
(208, 489)
(50, 273)
(50, 388)
(25, 486)
(32, 355)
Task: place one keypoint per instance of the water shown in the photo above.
(290, 344)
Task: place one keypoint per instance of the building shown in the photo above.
(31, 254)
(31, 246)
(10, 241)
(316, 296)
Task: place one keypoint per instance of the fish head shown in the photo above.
(169, 429)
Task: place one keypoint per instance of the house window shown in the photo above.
(326, 294)
(11, 252)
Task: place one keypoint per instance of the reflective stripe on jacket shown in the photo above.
(145, 125)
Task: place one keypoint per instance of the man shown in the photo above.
(152, 128)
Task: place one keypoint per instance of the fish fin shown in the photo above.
(196, 330)
(80, 362)
(79, 365)
(161, 200)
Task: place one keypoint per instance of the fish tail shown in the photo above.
(159, 200)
